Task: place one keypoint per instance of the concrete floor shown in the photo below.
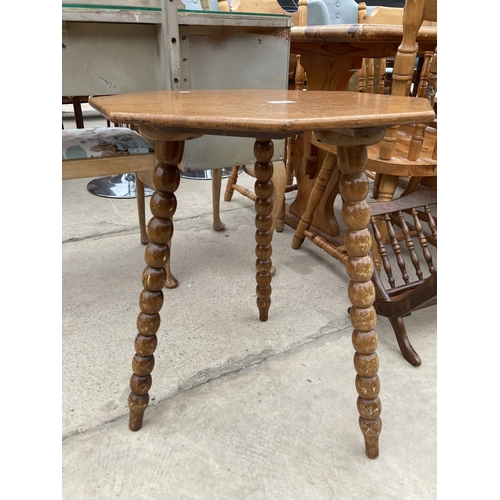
(239, 409)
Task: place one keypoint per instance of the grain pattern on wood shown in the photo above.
(257, 112)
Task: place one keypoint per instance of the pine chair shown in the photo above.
(372, 77)
(404, 151)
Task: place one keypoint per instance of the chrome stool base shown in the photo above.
(116, 186)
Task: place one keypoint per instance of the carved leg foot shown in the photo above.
(404, 343)
(263, 150)
(160, 229)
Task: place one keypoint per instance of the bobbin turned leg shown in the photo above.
(359, 266)
(160, 229)
(351, 160)
(263, 150)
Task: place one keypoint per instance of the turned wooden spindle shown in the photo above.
(362, 76)
(263, 188)
(361, 12)
(424, 74)
(381, 75)
(404, 65)
(370, 75)
(425, 90)
(302, 13)
(300, 74)
(359, 266)
(166, 180)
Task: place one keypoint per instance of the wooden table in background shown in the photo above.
(349, 120)
(330, 55)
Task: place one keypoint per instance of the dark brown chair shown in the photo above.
(411, 227)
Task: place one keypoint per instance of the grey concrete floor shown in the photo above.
(239, 409)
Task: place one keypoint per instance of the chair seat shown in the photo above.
(102, 142)
(399, 164)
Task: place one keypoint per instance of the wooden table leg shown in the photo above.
(166, 180)
(356, 215)
(263, 150)
(354, 187)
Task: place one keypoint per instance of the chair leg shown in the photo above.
(404, 343)
(77, 108)
(141, 209)
(217, 224)
(376, 184)
(413, 182)
(317, 191)
(171, 281)
(233, 179)
(279, 181)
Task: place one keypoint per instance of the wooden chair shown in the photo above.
(404, 219)
(404, 151)
(372, 77)
(408, 152)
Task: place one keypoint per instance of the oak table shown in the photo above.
(330, 55)
(349, 120)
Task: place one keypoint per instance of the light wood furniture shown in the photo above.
(371, 78)
(330, 55)
(350, 120)
(408, 150)
(371, 75)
